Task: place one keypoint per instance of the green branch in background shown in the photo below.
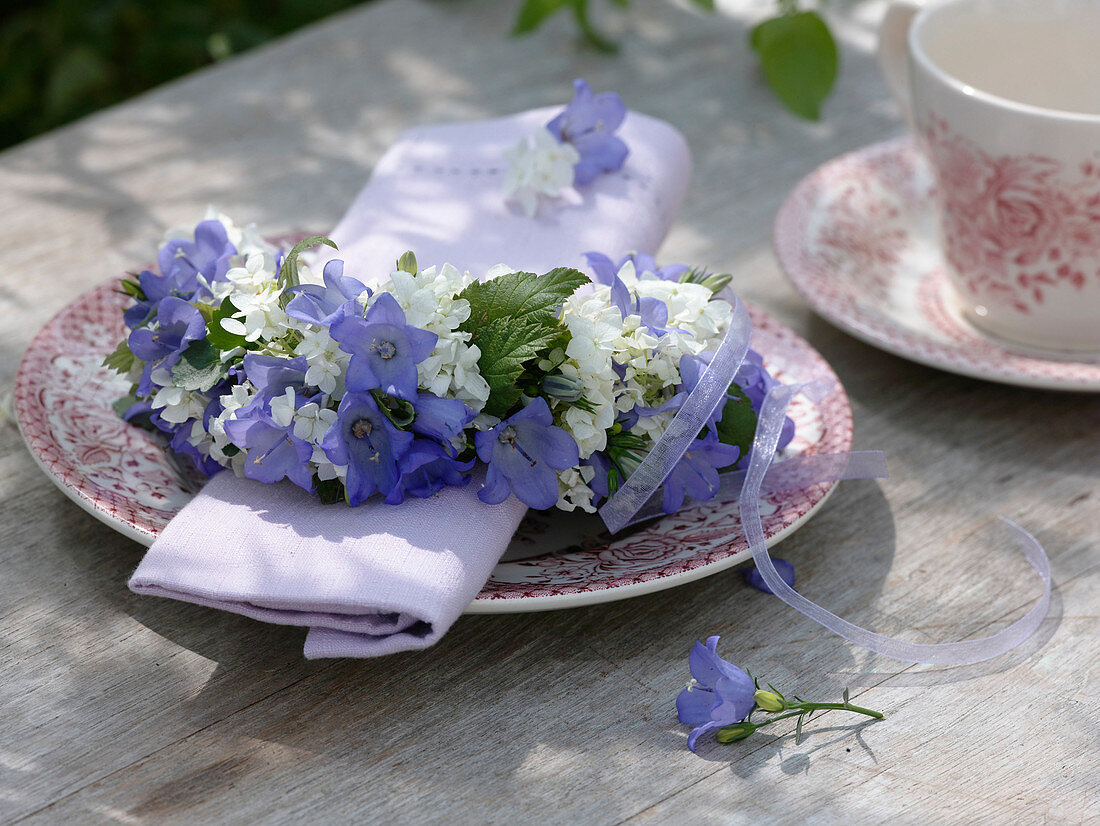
(797, 52)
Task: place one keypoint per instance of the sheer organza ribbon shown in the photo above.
(620, 510)
(637, 500)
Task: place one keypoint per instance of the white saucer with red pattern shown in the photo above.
(859, 239)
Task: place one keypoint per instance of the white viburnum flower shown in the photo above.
(312, 422)
(327, 362)
(429, 300)
(283, 408)
(573, 489)
(538, 165)
(177, 405)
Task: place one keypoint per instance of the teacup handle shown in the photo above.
(893, 52)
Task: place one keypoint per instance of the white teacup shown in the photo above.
(1005, 97)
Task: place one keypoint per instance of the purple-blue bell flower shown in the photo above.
(207, 254)
(652, 311)
(598, 483)
(442, 419)
(178, 324)
(365, 440)
(384, 350)
(273, 453)
(588, 123)
(782, 567)
(721, 694)
(605, 270)
(647, 264)
(272, 375)
(522, 453)
(206, 465)
(696, 474)
(426, 469)
(755, 381)
(323, 305)
(184, 265)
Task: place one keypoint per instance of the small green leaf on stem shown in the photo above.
(288, 273)
(121, 360)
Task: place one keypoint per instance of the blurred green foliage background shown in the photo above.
(61, 59)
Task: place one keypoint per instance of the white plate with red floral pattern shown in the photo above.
(859, 238)
(122, 476)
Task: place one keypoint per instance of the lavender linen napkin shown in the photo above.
(379, 578)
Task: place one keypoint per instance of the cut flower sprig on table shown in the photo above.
(558, 383)
(723, 699)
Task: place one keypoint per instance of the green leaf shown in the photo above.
(512, 319)
(199, 368)
(533, 12)
(738, 424)
(121, 360)
(120, 406)
(398, 411)
(799, 58)
(519, 294)
(288, 272)
(132, 288)
(220, 337)
(330, 491)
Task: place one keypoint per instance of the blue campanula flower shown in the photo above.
(442, 419)
(426, 469)
(184, 266)
(178, 324)
(272, 375)
(696, 474)
(605, 270)
(588, 124)
(782, 567)
(365, 440)
(273, 452)
(384, 350)
(652, 311)
(207, 254)
(180, 444)
(322, 305)
(755, 381)
(522, 453)
(720, 693)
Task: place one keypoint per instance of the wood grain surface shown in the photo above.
(135, 710)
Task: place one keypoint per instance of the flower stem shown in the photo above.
(798, 709)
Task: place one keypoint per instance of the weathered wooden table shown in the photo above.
(122, 709)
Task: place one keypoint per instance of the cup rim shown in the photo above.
(920, 55)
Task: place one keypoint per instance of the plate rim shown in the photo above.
(789, 231)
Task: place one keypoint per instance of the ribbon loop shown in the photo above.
(769, 425)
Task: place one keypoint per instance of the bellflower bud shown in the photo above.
(407, 263)
(769, 700)
(731, 734)
(564, 388)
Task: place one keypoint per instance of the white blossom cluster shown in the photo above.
(697, 322)
(538, 166)
(430, 302)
